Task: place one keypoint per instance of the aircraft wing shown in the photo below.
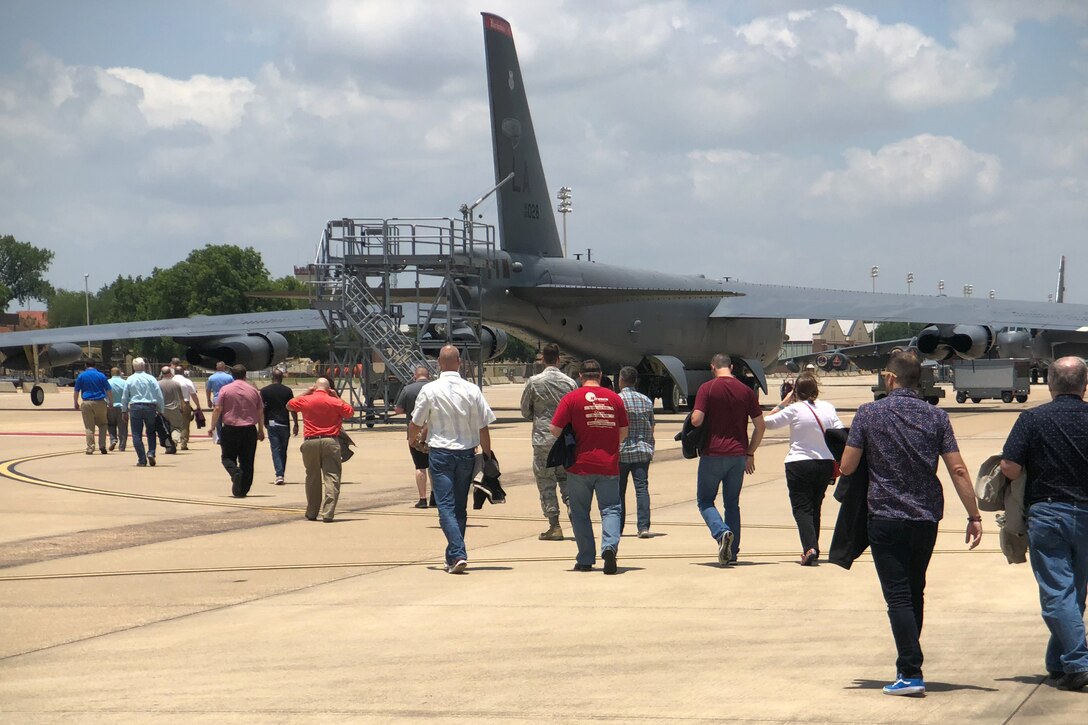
(201, 326)
(558, 295)
(771, 301)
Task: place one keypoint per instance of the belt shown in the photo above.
(141, 403)
(314, 438)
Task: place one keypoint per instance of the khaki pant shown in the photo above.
(94, 414)
(321, 457)
(186, 424)
(177, 423)
(546, 481)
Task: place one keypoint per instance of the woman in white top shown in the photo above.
(809, 463)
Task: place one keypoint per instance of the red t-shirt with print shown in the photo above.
(596, 415)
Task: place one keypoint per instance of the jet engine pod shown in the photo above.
(493, 341)
(56, 355)
(255, 351)
(833, 363)
(972, 341)
(933, 343)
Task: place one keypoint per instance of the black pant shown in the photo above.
(238, 446)
(807, 482)
(901, 553)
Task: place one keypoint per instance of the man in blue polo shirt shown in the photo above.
(1050, 442)
(95, 389)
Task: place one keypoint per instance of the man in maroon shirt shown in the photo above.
(599, 419)
(240, 408)
(724, 404)
(323, 414)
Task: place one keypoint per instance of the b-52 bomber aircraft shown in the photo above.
(669, 326)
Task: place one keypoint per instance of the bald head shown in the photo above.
(139, 364)
(449, 359)
(322, 384)
(422, 372)
(1067, 376)
(221, 366)
(277, 376)
(167, 371)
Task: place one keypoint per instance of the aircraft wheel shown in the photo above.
(880, 396)
(1021, 398)
(1006, 397)
(976, 400)
(933, 400)
(37, 395)
(961, 397)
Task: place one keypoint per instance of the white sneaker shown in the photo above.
(645, 534)
(458, 567)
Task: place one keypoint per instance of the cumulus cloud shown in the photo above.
(922, 170)
(215, 103)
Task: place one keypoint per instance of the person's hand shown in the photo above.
(75, 406)
(260, 436)
(750, 464)
(788, 399)
(295, 432)
(974, 534)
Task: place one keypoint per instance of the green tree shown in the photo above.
(22, 270)
(518, 350)
(886, 331)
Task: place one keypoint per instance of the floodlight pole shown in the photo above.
(87, 301)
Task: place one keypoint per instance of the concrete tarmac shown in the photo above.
(150, 595)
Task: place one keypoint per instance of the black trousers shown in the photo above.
(901, 553)
(807, 482)
(238, 446)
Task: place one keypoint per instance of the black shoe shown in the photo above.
(141, 463)
(311, 518)
(421, 503)
(103, 451)
(1073, 680)
(431, 502)
(583, 567)
(1054, 675)
(609, 556)
(151, 460)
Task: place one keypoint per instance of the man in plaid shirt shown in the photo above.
(636, 451)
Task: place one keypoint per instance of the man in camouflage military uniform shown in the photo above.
(538, 402)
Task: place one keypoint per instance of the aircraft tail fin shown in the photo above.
(1059, 294)
(526, 222)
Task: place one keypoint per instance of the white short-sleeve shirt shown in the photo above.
(454, 411)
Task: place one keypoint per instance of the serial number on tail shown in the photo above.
(531, 211)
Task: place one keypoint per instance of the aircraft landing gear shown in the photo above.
(37, 395)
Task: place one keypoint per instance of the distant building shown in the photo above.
(831, 335)
(23, 320)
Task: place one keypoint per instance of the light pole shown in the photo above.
(910, 281)
(968, 290)
(993, 296)
(87, 301)
(564, 208)
(874, 273)
(940, 288)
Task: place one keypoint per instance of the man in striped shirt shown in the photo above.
(636, 450)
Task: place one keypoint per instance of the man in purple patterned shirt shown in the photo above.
(902, 437)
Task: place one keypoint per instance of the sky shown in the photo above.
(783, 142)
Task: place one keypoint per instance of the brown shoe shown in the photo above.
(554, 533)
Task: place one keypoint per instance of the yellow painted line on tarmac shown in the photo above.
(790, 555)
(9, 469)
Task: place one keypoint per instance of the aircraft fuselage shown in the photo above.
(622, 332)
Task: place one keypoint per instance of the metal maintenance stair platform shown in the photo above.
(392, 290)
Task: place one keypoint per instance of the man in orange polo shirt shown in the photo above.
(323, 414)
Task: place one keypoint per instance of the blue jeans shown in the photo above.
(1058, 549)
(580, 494)
(640, 472)
(141, 417)
(278, 437)
(451, 477)
(728, 471)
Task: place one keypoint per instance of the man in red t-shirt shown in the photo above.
(599, 419)
(724, 404)
(323, 415)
